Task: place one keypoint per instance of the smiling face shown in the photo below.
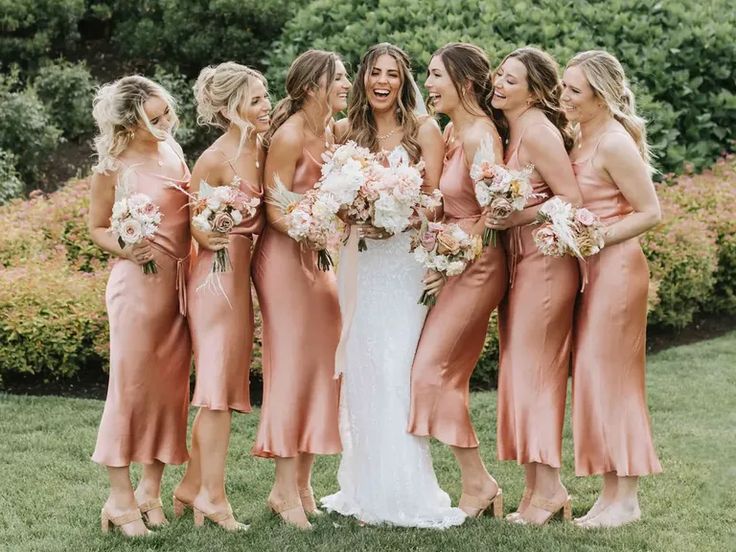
(256, 107)
(337, 91)
(383, 82)
(159, 115)
(443, 95)
(579, 100)
(510, 87)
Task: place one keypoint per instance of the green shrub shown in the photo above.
(196, 33)
(26, 130)
(67, 90)
(683, 256)
(681, 60)
(711, 199)
(11, 185)
(31, 30)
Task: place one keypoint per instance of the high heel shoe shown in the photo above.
(526, 497)
(218, 518)
(281, 508)
(563, 508)
(482, 504)
(147, 506)
(180, 506)
(118, 521)
(308, 503)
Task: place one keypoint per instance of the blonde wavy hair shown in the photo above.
(118, 110)
(606, 77)
(304, 76)
(362, 123)
(220, 92)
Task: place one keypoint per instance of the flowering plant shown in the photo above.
(135, 218)
(220, 209)
(567, 230)
(500, 189)
(444, 248)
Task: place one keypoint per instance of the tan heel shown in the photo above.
(153, 504)
(180, 506)
(198, 517)
(564, 509)
(482, 504)
(308, 503)
(526, 497)
(217, 518)
(281, 508)
(123, 519)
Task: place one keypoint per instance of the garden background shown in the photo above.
(679, 55)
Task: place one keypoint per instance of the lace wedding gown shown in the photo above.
(386, 474)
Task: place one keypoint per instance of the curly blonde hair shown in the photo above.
(118, 110)
(220, 91)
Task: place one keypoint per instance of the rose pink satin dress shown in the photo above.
(535, 335)
(145, 416)
(221, 318)
(455, 329)
(301, 329)
(611, 427)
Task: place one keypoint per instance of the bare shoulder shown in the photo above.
(429, 129)
(617, 146)
(341, 129)
(103, 181)
(539, 138)
(289, 135)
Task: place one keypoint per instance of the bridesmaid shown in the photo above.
(301, 315)
(535, 318)
(459, 85)
(145, 416)
(611, 162)
(233, 98)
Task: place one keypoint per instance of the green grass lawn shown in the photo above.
(51, 493)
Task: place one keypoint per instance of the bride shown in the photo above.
(386, 474)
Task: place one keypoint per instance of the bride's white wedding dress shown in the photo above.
(385, 474)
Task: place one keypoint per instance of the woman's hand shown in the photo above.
(140, 253)
(433, 282)
(214, 241)
(496, 223)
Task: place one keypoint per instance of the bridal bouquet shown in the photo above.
(219, 209)
(311, 218)
(500, 189)
(134, 219)
(566, 230)
(444, 248)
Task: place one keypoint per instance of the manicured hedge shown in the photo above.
(681, 58)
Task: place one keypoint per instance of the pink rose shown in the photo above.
(428, 240)
(222, 222)
(585, 217)
(131, 231)
(501, 208)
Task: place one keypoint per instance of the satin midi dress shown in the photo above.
(145, 415)
(535, 338)
(221, 318)
(455, 329)
(301, 330)
(611, 427)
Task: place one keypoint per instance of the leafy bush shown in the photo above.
(681, 60)
(197, 33)
(32, 29)
(67, 90)
(711, 199)
(11, 185)
(26, 129)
